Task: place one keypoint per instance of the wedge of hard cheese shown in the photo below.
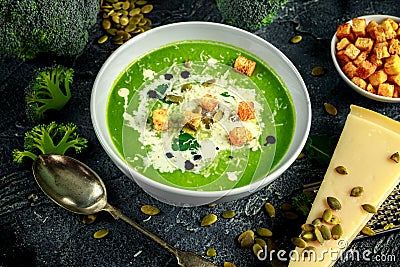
(366, 160)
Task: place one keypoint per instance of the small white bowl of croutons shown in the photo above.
(366, 53)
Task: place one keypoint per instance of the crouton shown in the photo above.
(208, 103)
(160, 119)
(376, 61)
(246, 111)
(377, 78)
(394, 24)
(371, 28)
(364, 44)
(392, 65)
(360, 58)
(390, 33)
(365, 69)
(394, 79)
(350, 70)
(351, 51)
(370, 89)
(381, 50)
(396, 92)
(386, 89)
(344, 31)
(342, 58)
(359, 82)
(358, 27)
(244, 65)
(192, 120)
(394, 47)
(342, 44)
(239, 136)
(379, 34)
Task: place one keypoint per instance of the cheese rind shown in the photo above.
(364, 148)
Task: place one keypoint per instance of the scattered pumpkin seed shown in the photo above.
(337, 231)
(258, 250)
(289, 215)
(211, 252)
(246, 239)
(270, 209)
(341, 170)
(271, 245)
(368, 231)
(318, 71)
(150, 210)
(106, 23)
(186, 87)
(208, 219)
(229, 264)
(308, 236)
(286, 207)
(89, 219)
(208, 83)
(327, 215)
(357, 191)
(296, 39)
(334, 203)
(298, 242)
(141, 2)
(307, 251)
(301, 155)
(100, 233)
(317, 222)
(334, 220)
(212, 204)
(389, 226)
(318, 235)
(395, 157)
(174, 98)
(369, 208)
(102, 39)
(307, 227)
(228, 214)
(330, 109)
(147, 9)
(265, 232)
(325, 232)
(260, 241)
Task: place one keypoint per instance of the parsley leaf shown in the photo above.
(184, 142)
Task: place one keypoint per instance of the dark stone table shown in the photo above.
(36, 232)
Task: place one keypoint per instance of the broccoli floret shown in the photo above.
(50, 90)
(249, 15)
(302, 203)
(52, 138)
(32, 26)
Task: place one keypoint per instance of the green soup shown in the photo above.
(194, 89)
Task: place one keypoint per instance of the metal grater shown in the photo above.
(388, 213)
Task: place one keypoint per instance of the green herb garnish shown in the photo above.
(184, 142)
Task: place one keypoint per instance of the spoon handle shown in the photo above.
(117, 214)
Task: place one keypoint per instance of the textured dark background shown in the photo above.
(39, 233)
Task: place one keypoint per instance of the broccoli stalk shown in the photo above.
(49, 91)
(249, 15)
(52, 138)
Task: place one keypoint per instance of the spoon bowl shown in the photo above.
(77, 188)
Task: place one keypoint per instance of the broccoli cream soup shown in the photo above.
(183, 116)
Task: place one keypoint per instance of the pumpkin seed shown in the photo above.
(395, 157)
(208, 219)
(334, 220)
(289, 215)
(296, 39)
(147, 9)
(218, 116)
(286, 206)
(134, 12)
(124, 20)
(330, 109)
(317, 222)
(89, 219)
(100, 233)
(142, 22)
(271, 245)
(298, 242)
(357, 191)
(174, 98)
(341, 170)
(258, 251)
(102, 39)
(368, 231)
(260, 241)
(186, 87)
(369, 208)
(325, 232)
(228, 214)
(389, 226)
(126, 5)
(308, 251)
(106, 23)
(318, 71)
(246, 239)
(265, 232)
(337, 231)
(334, 203)
(307, 227)
(115, 19)
(141, 3)
(229, 264)
(130, 27)
(211, 252)
(301, 155)
(150, 210)
(327, 215)
(208, 83)
(270, 209)
(212, 204)
(308, 236)
(318, 236)
(112, 32)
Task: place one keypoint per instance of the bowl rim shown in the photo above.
(378, 18)
(252, 187)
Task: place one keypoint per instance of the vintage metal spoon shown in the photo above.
(75, 187)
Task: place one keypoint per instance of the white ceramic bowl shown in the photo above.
(163, 35)
(368, 18)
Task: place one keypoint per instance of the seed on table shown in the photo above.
(317, 222)
(126, 5)
(318, 71)
(357, 191)
(150, 210)
(369, 208)
(260, 241)
(209, 219)
(258, 250)
(334, 203)
(270, 209)
(271, 245)
(264, 232)
(334, 220)
(211, 252)
(147, 9)
(308, 236)
(337, 231)
(228, 214)
(307, 227)
(100, 233)
(318, 236)
(89, 219)
(326, 232)
(327, 215)
(341, 170)
(229, 264)
(246, 239)
(106, 23)
(296, 39)
(368, 231)
(395, 157)
(330, 109)
(289, 215)
(102, 39)
(298, 242)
